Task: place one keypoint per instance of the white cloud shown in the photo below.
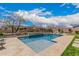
(65, 4)
(34, 17)
(76, 5)
(37, 17)
(65, 21)
(62, 5)
(5, 10)
(1, 23)
(37, 11)
(2, 8)
(70, 19)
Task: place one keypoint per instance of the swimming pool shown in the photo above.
(39, 42)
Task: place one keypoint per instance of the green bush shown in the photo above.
(77, 32)
(1, 34)
(30, 31)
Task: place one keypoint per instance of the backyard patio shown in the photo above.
(15, 47)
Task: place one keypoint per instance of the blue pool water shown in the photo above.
(49, 37)
(40, 41)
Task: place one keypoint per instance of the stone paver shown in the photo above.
(76, 43)
(15, 47)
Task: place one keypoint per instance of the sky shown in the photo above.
(44, 14)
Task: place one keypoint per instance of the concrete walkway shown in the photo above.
(14, 47)
(76, 43)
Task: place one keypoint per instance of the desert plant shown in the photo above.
(77, 32)
(1, 34)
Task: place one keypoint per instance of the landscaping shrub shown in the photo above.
(77, 32)
(30, 31)
(1, 34)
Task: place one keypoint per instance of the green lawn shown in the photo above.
(70, 50)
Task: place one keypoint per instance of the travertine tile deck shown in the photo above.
(58, 48)
(14, 47)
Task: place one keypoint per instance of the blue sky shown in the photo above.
(56, 9)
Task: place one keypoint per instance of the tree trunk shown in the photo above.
(17, 28)
(12, 29)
